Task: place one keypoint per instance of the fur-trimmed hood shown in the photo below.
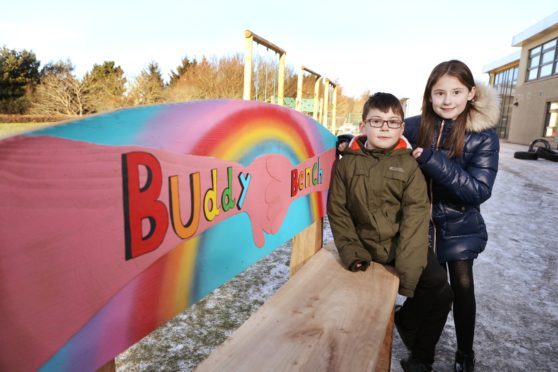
(486, 109)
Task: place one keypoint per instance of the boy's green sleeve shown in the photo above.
(344, 233)
(411, 252)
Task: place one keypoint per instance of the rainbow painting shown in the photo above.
(113, 224)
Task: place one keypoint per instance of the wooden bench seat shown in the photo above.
(323, 318)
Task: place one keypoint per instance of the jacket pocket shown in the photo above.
(386, 228)
(395, 179)
(396, 173)
(469, 222)
(371, 241)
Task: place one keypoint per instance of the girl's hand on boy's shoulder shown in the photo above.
(422, 155)
(417, 152)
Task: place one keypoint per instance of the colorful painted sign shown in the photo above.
(111, 225)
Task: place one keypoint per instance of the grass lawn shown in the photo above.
(11, 129)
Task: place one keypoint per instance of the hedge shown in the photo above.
(33, 118)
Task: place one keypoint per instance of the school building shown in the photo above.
(528, 85)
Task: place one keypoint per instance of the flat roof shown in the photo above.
(549, 22)
(502, 62)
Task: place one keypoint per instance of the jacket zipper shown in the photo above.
(432, 193)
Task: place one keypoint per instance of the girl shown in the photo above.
(457, 149)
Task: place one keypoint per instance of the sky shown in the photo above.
(388, 45)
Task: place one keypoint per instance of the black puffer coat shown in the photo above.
(458, 186)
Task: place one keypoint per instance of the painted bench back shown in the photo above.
(112, 225)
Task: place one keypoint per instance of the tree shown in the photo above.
(106, 85)
(184, 66)
(216, 78)
(59, 91)
(148, 86)
(19, 73)
(229, 77)
(349, 109)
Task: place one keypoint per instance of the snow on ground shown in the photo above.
(516, 285)
(186, 340)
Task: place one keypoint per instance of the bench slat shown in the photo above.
(323, 318)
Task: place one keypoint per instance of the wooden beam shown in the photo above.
(260, 40)
(310, 71)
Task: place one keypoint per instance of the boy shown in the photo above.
(379, 211)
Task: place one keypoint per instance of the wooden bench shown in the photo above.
(324, 318)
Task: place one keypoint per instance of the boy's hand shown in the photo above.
(359, 265)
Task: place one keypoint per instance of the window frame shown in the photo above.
(538, 54)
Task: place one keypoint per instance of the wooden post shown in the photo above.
(405, 104)
(299, 90)
(334, 111)
(251, 37)
(248, 65)
(310, 240)
(110, 366)
(326, 102)
(384, 358)
(298, 102)
(315, 114)
(281, 78)
(306, 244)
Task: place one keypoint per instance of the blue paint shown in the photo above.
(118, 128)
(245, 182)
(229, 249)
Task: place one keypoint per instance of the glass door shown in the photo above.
(551, 121)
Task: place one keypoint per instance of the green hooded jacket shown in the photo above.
(378, 210)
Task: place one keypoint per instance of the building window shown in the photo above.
(551, 121)
(543, 61)
(505, 82)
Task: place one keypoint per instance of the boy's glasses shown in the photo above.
(378, 123)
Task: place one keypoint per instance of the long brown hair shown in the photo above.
(456, 139)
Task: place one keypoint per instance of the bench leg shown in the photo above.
(306, 244)
(384, 358)
(110, 366)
